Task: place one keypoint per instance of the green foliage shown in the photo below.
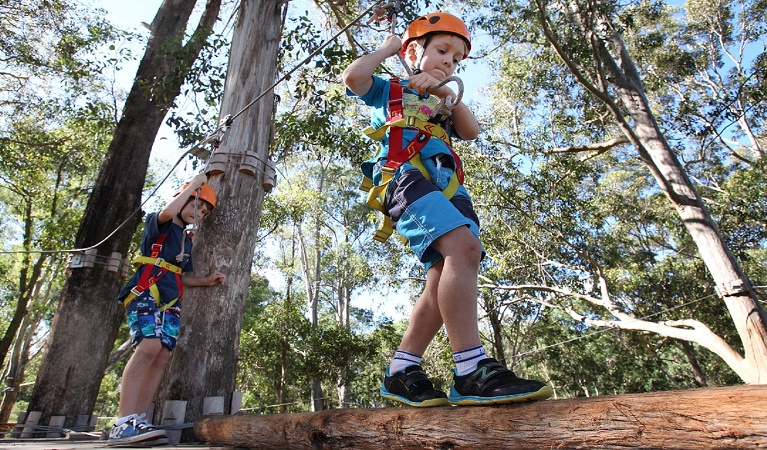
(201, 94)
(553, 214)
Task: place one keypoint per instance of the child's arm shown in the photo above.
(174, 206)
(213, 279)
(464, 122)
(358, 76)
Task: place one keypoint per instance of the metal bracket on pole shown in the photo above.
(83, 260)
(733, 288)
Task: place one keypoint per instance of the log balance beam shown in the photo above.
(727, 417)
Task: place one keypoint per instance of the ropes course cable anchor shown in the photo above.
(733, 288)
(83, 259)
(270, 175)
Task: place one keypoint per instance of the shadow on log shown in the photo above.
(729, 417)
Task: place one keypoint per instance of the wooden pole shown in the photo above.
(204, 364)
(729, 417)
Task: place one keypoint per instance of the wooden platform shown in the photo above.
(722, 418)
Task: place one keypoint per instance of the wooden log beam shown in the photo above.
(728, 417)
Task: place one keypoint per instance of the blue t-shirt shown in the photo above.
(377, 98)
(167, 284)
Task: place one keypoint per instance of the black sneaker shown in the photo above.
(492, 384)
(412, 387)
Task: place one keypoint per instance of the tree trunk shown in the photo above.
(615, 66)
(730, 280)
(88, 316)
(15, 369)
(697, 371)
(28, 277)
(312, 280)
(204, 362)
(731, 417)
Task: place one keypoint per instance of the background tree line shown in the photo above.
(592, 280)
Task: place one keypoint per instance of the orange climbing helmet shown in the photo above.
(438, 22)
(205, 192)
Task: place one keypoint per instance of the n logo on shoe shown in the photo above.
(483, 372)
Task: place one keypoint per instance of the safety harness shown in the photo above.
(395, 123)
(149, 281)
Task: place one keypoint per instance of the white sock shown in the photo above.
(466, 360)
(402, 360)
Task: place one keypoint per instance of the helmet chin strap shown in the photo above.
(419, 55)
(192, 198)
(187, 230)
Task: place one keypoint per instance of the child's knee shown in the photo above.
(149, 347)
(472, 249)
(461, 243)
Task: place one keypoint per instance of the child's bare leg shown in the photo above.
(457, 289)
(425, 319)
(135, 375)
(457, 294)
(152, 381)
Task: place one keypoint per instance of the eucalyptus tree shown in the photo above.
(47, 92)
(43, 176)
(114, 199)
(600, 99)
(273, 350)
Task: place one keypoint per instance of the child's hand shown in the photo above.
(199, 180)
(391, 45)
(215, 278)
(422, 82)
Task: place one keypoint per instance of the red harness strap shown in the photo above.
(397, 154)
(147, 279)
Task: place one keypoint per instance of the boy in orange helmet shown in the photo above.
(151, 299)
(417, 182)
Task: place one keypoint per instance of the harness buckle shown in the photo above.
(387, 169)
(410, 122)
(135, 291)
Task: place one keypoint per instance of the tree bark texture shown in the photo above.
(88, 316)
(731, 417)
(204, 362)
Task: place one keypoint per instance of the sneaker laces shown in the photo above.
(142, 424)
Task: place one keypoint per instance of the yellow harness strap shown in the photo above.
(141, 260)
(433, 129)
(377, 194)
(153, 289)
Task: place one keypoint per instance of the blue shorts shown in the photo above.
(145, 320)
(421, 213)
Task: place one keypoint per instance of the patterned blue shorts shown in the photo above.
(146, 321)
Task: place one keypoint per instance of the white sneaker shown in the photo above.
(136, 430)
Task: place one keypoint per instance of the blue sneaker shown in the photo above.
(412, 387)
(135, 430)
(493, 384)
